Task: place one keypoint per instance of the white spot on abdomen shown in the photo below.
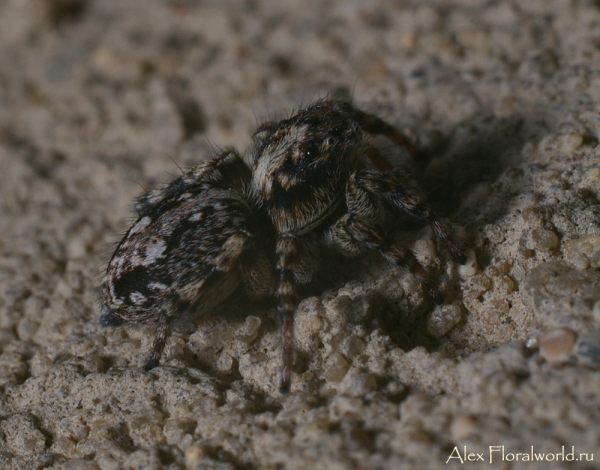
(154, 250)
(140, 225)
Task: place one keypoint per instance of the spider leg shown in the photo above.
(163, 331)
(200, 296)
(286, 252)
(377, 126)
(354, 234)
(378, 159)
(393, 188)
(257, 273)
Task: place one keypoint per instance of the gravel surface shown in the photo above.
(100, 97)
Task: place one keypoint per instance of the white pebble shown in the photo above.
(470, 268)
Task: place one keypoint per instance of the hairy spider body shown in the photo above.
(192, 244)
(315, 183)
(314, 174)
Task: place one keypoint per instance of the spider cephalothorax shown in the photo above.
(315, 183)
(317, 178)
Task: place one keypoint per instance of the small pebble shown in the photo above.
(363, 384)
(572, 142)
(443, 319)
(579, 261)
(545, 240)
(64, 446)
(556, 345)
(353, 346)
(337, 368)
(531, 215)
(470, 268)
(175, 430)
(204, 406)
(531, 342)
(182, 410)
(424, 249)
(225, 362)
(174, 352)
(249, 330)
(582, 245)
(194, 454)
(506, 285)
(463, 427)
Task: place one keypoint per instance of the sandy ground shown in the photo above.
(100, 97)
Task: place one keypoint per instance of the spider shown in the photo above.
(192, 245)
(320, 183)
(315, 183)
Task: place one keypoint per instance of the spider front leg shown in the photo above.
(296, 264)
(392, 187)
(354, 234)
(287, 258)
(377, 126)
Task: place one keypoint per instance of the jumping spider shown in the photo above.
(315, 183)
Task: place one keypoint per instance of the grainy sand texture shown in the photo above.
(103, 99)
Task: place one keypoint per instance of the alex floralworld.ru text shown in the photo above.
(499, 453)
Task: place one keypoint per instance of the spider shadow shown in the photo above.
(477, 151)
(474, 171)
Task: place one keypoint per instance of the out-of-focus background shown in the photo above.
(102, 99)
